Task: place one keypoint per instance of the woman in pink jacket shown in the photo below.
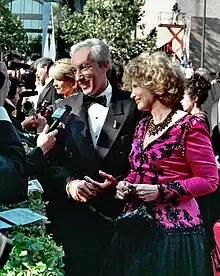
(172, 163)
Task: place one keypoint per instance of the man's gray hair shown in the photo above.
(42, 62)
(99, 50)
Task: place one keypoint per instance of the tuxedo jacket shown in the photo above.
(48, 94)
(13, 182)
(77, 157)
(85, 229)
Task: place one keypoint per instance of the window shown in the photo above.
(25, 7)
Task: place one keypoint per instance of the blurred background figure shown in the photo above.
(63, 77)
(45, 83)
(12, 159)
(204, 72)
(189, 71)
(116, 74)
(196, 93)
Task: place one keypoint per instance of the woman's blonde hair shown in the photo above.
(159, 74)
(62, 69)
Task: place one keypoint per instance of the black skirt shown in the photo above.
(176, 252)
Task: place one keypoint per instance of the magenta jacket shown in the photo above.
(182, 163)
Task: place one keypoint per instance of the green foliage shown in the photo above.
(12, 32)
(114, 21)
(34, 47)
(34, 251)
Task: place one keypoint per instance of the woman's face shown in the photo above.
(17, 96)
(64, 86)
(143, 97)
(187, 102)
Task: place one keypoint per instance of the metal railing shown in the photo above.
(171, 18)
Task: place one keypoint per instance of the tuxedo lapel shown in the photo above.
(44, 92)
(79, 131)
(116, 117)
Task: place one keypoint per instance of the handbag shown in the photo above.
(140, 218)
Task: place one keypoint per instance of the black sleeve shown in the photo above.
(13, 183)
(35, 162)
(216, 140)
(55, 175)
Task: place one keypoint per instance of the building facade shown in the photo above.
(33, 13)
(192, 33)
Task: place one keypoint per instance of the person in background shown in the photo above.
(13, 182)
(204, 72)
(12, 55)
(35, 146)
(160, 231)
(196, 92)
(47, 91)
(189, 70)
(116, 74)
(63, 77)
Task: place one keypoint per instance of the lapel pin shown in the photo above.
(115, 124)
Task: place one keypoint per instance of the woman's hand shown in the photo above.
(146, 192)
(124, 190)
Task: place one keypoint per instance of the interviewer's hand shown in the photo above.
(35, 121)
(46, 140)
(81, 190)
(109, 182)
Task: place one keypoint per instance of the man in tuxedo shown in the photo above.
(98, 137)
(48, 92)
(13, 184)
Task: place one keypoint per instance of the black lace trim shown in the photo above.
(170, 191)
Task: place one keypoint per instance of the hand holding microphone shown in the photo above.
(46, 140)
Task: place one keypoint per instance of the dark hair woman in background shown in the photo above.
(196, 93)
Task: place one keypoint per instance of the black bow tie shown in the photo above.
(88, 100)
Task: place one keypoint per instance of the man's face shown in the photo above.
(90, 76)
(41, 75)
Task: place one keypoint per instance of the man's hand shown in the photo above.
(109, 182)
(5, 88)
(46, 140)
(35, 121)
(81, 190)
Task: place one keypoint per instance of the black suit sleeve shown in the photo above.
(13, 183)
(35, 162)
(56, 174)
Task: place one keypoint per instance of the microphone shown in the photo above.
(61, 114)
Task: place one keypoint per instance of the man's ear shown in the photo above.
(195, 99)
(105, 67)
(46, 69)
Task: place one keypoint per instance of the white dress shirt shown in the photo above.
(97, 114)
